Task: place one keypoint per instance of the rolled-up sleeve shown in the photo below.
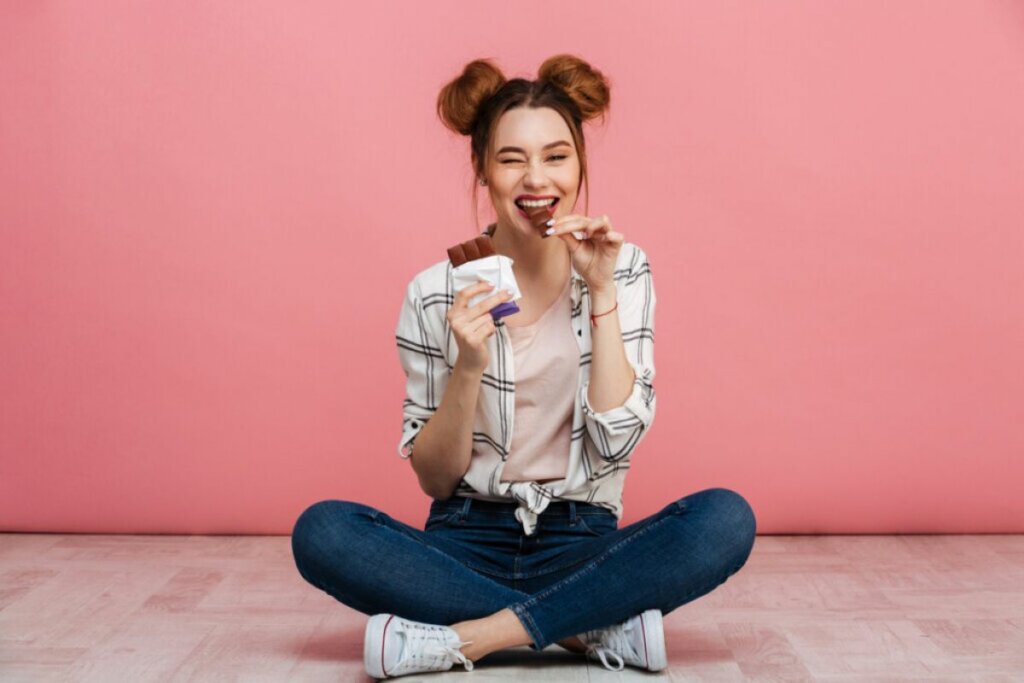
(424, 365)
(617, 431)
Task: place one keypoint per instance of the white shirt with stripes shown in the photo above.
(601, 443)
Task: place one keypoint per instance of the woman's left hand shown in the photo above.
(596, 251)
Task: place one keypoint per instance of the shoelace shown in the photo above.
(450, 652)
(427, 648)
(610, 641)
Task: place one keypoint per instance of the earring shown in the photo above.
(483, 182)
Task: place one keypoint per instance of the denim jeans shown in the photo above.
(577, 572)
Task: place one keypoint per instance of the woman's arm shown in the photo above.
(439, 410)
(444, 446)
(611, 375)
(622, 418)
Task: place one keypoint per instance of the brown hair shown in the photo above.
(473, 102)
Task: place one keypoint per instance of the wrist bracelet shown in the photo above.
(593, 318)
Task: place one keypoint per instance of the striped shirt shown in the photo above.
(601, 443)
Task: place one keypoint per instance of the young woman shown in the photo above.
(521, 429)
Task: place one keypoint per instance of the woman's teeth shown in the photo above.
(532, 204)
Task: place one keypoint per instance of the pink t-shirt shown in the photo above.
(547, 361)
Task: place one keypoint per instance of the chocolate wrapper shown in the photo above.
(495, 269)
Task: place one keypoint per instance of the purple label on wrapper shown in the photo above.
(501, 310)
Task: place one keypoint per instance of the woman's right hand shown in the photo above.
(473, 325)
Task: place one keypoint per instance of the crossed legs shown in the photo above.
(663, 561)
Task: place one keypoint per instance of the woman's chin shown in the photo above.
(523, 226)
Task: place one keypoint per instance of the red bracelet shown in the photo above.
(593, 318)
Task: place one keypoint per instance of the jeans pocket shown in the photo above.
(597, 524)
(441, 519)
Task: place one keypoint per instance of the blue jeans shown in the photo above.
(578, 571)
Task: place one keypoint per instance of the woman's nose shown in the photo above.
(535, 176)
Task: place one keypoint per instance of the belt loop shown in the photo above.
(465, 508)
(572, 513)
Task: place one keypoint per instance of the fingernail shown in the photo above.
(549, 231)
(549, 222)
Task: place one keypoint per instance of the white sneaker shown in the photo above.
(639, 641)
(394, 646)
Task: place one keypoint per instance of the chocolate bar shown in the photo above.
(473, 250)
(477, 248)
(539, 216)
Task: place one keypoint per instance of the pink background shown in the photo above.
(209, 213)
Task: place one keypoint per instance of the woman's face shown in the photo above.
(532, 155)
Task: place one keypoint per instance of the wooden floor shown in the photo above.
(222, 608)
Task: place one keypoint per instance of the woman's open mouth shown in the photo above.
(526, 207)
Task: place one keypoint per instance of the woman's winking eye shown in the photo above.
(513, 161)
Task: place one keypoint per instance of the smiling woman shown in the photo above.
(522, 430)
(474, 103)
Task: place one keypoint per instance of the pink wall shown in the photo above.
(209, 212)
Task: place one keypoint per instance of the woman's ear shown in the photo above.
(480, 178)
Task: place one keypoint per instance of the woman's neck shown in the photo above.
(540, 261)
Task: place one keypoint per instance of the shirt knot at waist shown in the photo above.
(532, 501)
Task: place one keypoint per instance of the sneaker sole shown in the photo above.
(373, 644)
(654, 639)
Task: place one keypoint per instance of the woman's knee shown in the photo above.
(323, 526)
(732, 516)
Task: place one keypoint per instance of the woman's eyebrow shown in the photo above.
(520, 149)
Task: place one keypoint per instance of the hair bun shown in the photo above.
(460, 100)
(587, 86)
